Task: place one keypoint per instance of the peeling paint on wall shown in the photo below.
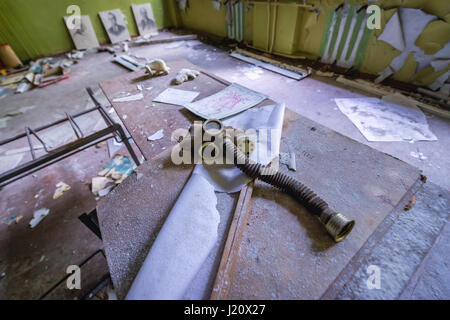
(408, 24)
(345, 37)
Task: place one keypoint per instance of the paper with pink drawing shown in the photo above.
(227, 102)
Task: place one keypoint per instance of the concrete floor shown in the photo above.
(35, 259)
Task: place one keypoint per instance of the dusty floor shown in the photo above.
(33, 260)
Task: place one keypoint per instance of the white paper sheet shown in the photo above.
(182, 245)
(228, 178)
(380, 120)
(225, 103)
(176, 96)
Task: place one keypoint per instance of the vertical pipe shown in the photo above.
(274, 26)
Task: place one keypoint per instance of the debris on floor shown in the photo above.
(410, 204)
(380, 120)
(13, 219)
(185, 75)
(288, 159)
(156, 136)
(418, 155)
(129, 97)
(157, 67)
(129, 63)
(61, 187)
(100, 183)
(75, 55)
(327, 74)
(114, 173)
(176, 96)
(38, 215)
(40, 73)
(270, 64)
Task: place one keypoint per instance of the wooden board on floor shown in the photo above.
(279, 250)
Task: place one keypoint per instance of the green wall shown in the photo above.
(299, 31)
(36, 28)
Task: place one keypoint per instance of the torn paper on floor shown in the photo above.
(38, 215)
(156, 136)
(176, 96)
(380, 120)
(128, 98)
(61, 187)
(118, 168)
(228, 178)
(184, 242)
(225, 103)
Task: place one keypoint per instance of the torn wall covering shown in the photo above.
(340, 36)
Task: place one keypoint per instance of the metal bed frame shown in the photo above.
(82, 142)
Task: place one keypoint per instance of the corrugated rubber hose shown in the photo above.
(337, 225)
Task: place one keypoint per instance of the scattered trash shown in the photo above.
(176, 96)
(227, 102)
(117, 169)
(75, 55)
(270, 64)
(100, 183)
(410, 204)
(13, 219)
(328, 74)
(108, 49)
(61, 187)
(38, 215)
(156, 136)
(135, 97)
(418, 155)
(124, 117)
(381, 120)
(128, 62)
(289, 160)
(42, 258)
(157, 67)
(185, 75)
(105, 191)
(139, 87)
(23, 86)
(145, 40)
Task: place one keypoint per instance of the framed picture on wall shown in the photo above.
(84, 36)
(115, 25)
(143, 14)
